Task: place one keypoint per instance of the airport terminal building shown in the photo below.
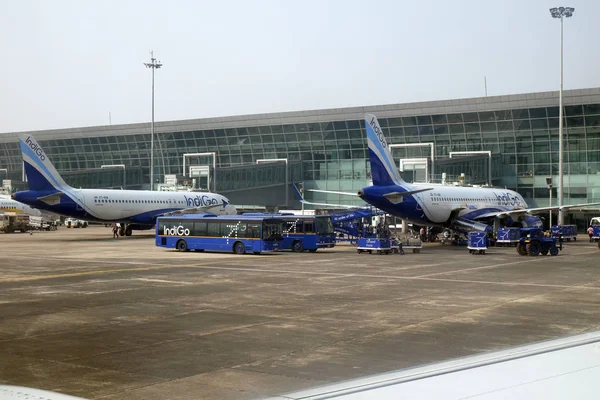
(511, 140)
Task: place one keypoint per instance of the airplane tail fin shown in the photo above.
(41, 174)
(383, 168)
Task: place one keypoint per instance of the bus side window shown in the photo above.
(199, 229)
(213, 228)
(253, 230)
(299, 227)
(309, 227)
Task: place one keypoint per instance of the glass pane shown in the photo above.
(424, 120)
(537, 112)
(573, 110)
(470, 117)
(590, 109)
(439, 119)
(520, 114)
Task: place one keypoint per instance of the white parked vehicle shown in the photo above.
(75, 223)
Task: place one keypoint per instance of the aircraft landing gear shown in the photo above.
(125, 230)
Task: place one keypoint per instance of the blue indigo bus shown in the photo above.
(304, 232)
(236, 233)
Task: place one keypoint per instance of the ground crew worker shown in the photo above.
(591, 233)
(115, 231)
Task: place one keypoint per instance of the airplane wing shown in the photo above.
(8, 392)
(533, 211)
(556, 369)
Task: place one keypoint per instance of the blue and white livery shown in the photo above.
(136, 209)
(460, 208)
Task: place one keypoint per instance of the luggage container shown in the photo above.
(412, 244)
(568, 232)
(508, 236)
(371, 244)
(477, 242)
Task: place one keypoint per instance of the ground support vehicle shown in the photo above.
(568, 232)
(303, 232)
(13, 222)
(75, 223)
(239, 234)
(508, 236)
(381, 245)
(533, 242)
(396, 246)
(596, 234)
(477, 242)
(41, 224)
(411, 244)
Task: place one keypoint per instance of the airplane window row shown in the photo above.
(140, 201)
(487, 200)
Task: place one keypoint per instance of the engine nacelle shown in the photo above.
(531, 221)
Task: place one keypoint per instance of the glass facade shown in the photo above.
(331, 154)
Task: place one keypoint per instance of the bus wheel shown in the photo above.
(181, 245)
(239, 248)
(297, 246)
(313, 250)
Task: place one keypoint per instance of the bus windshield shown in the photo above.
(324, 226)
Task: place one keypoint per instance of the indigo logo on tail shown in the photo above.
(378, 132)
(36, 148)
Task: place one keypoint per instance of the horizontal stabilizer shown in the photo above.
(329, 204)
(52, 199)
(332, 192)
(397, 197)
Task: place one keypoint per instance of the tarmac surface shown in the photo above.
(91, 316)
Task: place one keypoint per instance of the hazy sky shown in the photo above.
(71, 63)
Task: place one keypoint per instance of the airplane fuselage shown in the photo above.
(134, 206)
(441, 204)
(9, 205)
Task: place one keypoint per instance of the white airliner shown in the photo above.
(454, 207)
(9, 205)
(136, 209)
